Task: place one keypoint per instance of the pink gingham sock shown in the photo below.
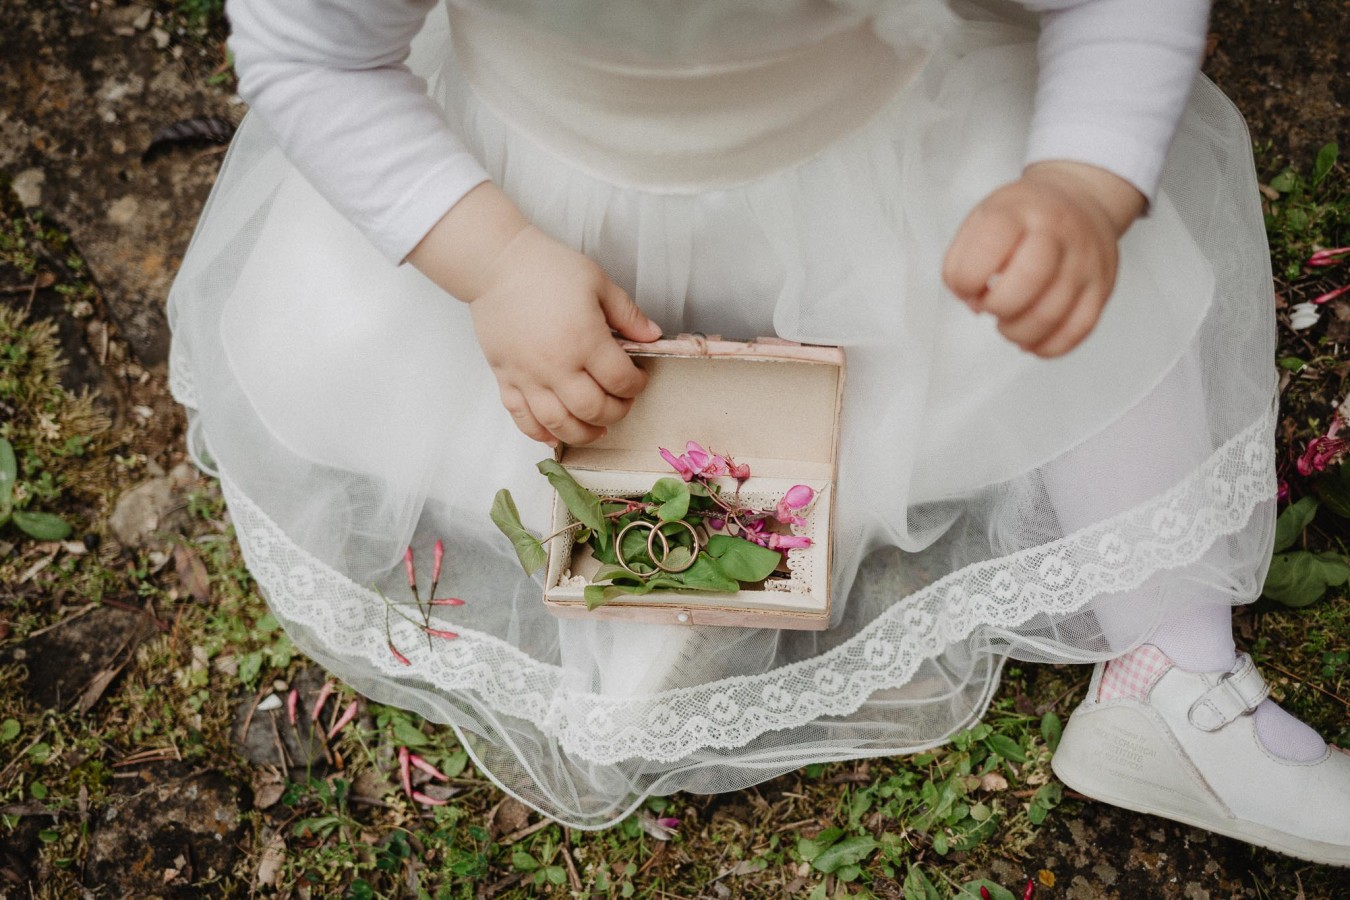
(1202, 641)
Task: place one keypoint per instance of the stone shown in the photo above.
(143, 512)
(27, 186)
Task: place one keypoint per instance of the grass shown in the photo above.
(939, 824)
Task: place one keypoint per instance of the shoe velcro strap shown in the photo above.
(1237, 693)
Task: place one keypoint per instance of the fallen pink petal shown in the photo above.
(1330, 295)
(427, 767)
(428, 801)
(327, 691)
(668, 822)
(1328, 257)
(344, 720)
(404, 770)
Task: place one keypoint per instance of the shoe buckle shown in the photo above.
(1237, 693)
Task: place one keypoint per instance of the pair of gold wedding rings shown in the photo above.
(655, 535)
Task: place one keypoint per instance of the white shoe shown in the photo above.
(1156, 739)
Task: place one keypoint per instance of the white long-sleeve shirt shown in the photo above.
(329, 79)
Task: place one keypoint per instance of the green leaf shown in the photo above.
(41, 526)
(1299, 578)
(996, 891)
(9, 474)
(9, 730)
(454, 765)
(1284, 182)
(705, 575)
(523, 862)
(596, 596)
(809, 848)
(678, 558)
(1326, 159)
(1051, 729)
(580, 502)
(918, 887)
(673, 495)
(250, 664)
(845, 853)
(507, 518)
(408, 734)
(1292, 521)
(741, 559)
(1005, 747)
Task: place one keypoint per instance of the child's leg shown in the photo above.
(1146, 452)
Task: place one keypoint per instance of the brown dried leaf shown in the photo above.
(273, 858)
(192, 573)
(192, 132)
(508, 816)
(993, 782)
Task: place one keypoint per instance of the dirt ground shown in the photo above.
(84, 86)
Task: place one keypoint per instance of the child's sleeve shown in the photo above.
(1115, 77)
(328, 77)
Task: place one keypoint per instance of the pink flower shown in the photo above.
(292, 701)
(739, 471)
(436, 632)
(679, 463)
(1321, 453)
(427, 767)
(716, 524)
(705, 462)
(1328, 257)
(327, 691)
(408, 567)
(404, 772)
(797, 497)
(347, 715)
(668, 822)
(399, 656)
(788, 542)
(438, 556)
(447, 601)
(427, 801)
(1282, 492)
(1330, 295)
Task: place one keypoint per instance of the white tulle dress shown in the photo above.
(990, 504)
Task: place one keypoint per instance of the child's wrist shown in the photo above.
(1119, 201)
(461, 251)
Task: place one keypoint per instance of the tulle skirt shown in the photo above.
(989, 504)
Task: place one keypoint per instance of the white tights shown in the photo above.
(1150, 449)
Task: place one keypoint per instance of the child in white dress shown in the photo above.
(1033, 472)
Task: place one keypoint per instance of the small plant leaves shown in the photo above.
(994, 891)
(705, 575)
(579, 501)
(1005, 747)
(1326, 159)
(1292, 521)
(9, 474)
(741, 559)
(1051, 729)
(507, 518)
(918, 887)
(847, 852)
(1333, 489)
(1299, 578)
(673, 495)
(194, 132)
(41, 526)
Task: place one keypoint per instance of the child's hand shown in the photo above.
(544, 327)
(1040, 254)
(542, 313)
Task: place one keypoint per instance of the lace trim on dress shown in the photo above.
(1172, 530)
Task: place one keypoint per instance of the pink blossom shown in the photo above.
(716, 524)
(668, 822)
(788, 541)
(438, 556)
(1321, 453)
(347, 715)
(327, 691)
(292, 701)
(705, 462)
(1330, 295)
(1282, 492)
(428, 801)
(408, 567)
(679, 463)
(404, 772)
(437, 632)
(427, 767)
(739, 471)
(447, 601)
(398, 656)
(797, 497)
(1328, 257)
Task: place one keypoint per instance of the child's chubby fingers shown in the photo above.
(515, 404)
(549, 409)
(1076, 326)
(1043, 315)
(1025, 281)
(615, 372)
(982, 247)
(586, 400)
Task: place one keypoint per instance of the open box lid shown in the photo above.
(769, 403)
